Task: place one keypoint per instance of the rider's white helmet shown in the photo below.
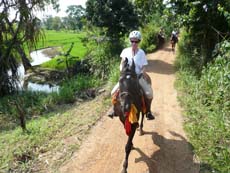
(173, 32)
(135, 34)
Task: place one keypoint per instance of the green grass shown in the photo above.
(64, 39)
(207, 124)
(19, 151)
(205, 98)
(50, 119)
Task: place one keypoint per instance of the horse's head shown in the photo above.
(129, 86)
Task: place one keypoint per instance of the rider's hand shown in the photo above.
(145, 76)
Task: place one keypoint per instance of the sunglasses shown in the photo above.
(132, 41)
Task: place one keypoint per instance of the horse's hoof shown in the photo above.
(111, 114)
(124, 171)
(141, 133)
(132, 147)
(150, 116)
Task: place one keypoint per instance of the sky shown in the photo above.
(49, 10)
(63, 6)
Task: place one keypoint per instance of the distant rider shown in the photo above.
(173, 39)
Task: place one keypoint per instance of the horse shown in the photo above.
(131, 104)
(174, 40)
(161, 40)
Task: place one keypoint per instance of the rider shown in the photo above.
(174, 39)
(138, 55)
(161, 38)
(174, 36)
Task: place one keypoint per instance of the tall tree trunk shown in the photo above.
(25, 61)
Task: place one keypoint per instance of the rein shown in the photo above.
(124, 93)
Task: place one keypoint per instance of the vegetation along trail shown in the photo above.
(163, 148)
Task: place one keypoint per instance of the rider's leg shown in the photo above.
(172, 44)
(148, 97)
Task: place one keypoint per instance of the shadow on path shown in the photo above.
(167, 49)
(173, 156)
(161, 67)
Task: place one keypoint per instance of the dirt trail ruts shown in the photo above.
(163, 148)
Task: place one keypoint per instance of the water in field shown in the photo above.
(37, 58)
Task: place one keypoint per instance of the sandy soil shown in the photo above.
(163, 148)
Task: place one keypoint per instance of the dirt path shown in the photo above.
(164, 147)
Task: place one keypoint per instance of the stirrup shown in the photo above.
(150, 116)
(111, 114)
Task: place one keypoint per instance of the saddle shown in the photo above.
(116, 101)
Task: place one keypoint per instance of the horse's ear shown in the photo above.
(126, 62)
(133, 66)
(124, 65)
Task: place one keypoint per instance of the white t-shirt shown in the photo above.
(140, 59)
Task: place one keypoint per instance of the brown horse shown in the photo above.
(174, 40)
(130, 105)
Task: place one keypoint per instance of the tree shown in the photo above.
(75, 15)
(117, 16)
(16, 32)
(56, 23)
(52, 23)
(48, 22)
(146, 9)
(205, 23)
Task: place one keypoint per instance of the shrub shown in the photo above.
(149, 40)
(207, 106)
(188, 57)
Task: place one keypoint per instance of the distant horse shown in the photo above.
(130, 96)
(161, 40)
(174, 40)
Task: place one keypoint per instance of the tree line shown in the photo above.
(74, 20)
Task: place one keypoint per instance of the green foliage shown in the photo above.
(225, 12)
(64, 40)
(101, 61)
(147, 9)
(24, 152)
(73, 87)
(207, 105)
(149, 34)
(36, 103)
(53, 23)
(204, 22)
(102, 52)
(17, 31)
(117, 16)
(188, 57)
(31, 102)
(66, 94)
(214, 89)
(75, 16)
(114, 74)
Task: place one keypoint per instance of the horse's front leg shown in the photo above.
(141, 125)
(128, 148)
